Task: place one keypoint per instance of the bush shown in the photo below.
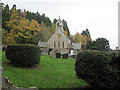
(97, 68)
(64, 56)
(23, 55)
(118, 61)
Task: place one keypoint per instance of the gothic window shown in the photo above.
(63, 44)
(58, 24)
(58, 44)
(54, 45)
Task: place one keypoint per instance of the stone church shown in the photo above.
(59, 42)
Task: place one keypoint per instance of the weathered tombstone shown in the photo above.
(73, 56)
(64, 56)
(58, 55)
(4, 47)
(49, 51)
(52, 53)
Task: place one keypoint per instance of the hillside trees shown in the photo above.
(100, 44)
(65, 27)
(29, 27)
(39, 18)
(5, 16)
(4, 37)
(83, 39)
(86, 33)
(21, 28)
(17, 23)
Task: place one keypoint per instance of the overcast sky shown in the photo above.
(99, 16)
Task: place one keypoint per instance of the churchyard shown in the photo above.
(50, 73)
(42, 53)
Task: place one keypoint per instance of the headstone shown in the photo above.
(64, 56)
(58, 55)
(71, 52)
(52, 53)
(74, 56)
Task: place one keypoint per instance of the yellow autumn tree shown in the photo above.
(72, 38)
(21, 28)
(12, 23)
(84, 40)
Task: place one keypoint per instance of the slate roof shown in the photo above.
(42, 44)
(76, 45)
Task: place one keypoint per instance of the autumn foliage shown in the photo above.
(83, 39)
(21, 28)
(28, 27)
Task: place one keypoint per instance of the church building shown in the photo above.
(59, 42)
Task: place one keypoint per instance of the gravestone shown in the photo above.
(58, 55)
(64, 56)
(73, 56)
(52, 53)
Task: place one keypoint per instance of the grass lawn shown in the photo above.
(53, 73)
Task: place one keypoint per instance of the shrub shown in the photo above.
(97, 68)
(118, 61)
(23, 55)
(64, 56)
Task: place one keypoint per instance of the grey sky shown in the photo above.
(99, 16)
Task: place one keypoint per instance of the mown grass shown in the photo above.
(53, 73)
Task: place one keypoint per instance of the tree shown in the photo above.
(83, 39)
(44, 34)
(21, 28)
(66, 34)
(4, 37)
(72, 38)
(54, 21)
(39, 18)
(53, 27)
(13, 7)
(100, 44)
(5, 17)
(65, 27)
(87, 34)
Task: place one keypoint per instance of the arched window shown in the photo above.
(54, 45)
(58, 44)
(63, 44)
(58, 24)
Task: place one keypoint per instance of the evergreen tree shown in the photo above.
(86, 33)
(54, 21)
(65, 27)
(100, 44)
(14, 7)
(5, 17)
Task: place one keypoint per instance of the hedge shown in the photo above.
(98, 68)
(23, 55)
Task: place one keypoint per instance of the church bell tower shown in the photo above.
(59, 25)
